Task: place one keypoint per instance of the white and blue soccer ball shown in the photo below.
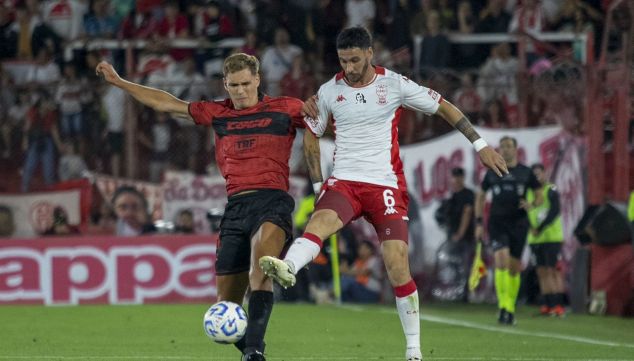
(225, 322)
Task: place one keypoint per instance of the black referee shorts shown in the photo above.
(509, 233)
(244, 214)
(547, 254)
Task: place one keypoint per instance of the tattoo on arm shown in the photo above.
(313, 159)
(465, 127)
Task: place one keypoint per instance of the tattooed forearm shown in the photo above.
(312, 154)
(465, 127)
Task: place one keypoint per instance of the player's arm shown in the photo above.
(156, 99)
(489, 157)
(478, 212)
(312, 154)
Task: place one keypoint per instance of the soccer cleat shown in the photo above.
(558, 311)
(253, 356)
(278, 270)
(509, 319)
(502, 316)
(413, 354)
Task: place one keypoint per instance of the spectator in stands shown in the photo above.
(467, 98)
(139, 24)
(44, 74)
(397, 35)
(468, 55)
(159, 144)
(446, 15)
(7, 223)
(576, 16)
(299, 81)
(59, 224)
(184, 222)
(65, 17)
(99, 22)
(528, 18)
(277, 60)
(494, 115)
(174, 25)
(23, 28)
(360, 13)
(250, 46)
(131, 210)
(68, 97)
(71, 164)
(40, 139)
(382, 55)
(113, 100)
(215, 24)
(435, 49)
(497, 78)
(7, 98)
(8, 41)
(493, 18)
(361, 282)
(15, 120)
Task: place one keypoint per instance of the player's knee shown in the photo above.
(323, 223)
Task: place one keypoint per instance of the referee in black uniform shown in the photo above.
(507, 225)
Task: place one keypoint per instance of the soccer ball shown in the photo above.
(225, 322)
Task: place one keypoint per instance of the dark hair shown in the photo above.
(130, 190)
(538, 166)
(457, 172)
(355, 37)
(506, 137)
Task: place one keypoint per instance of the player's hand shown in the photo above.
(107, 71)
(493, 160)
(309, 109)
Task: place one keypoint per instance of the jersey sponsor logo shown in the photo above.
(312, 121)
(433, 94)
(243, 145)
(360, 98)
(381, 93)
(341, 98)
(258, 123)
(273, 123)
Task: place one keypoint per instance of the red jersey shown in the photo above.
(253, 145)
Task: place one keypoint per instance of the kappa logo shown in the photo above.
(258, 123)
(341, 98)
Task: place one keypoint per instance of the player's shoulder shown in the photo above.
(280, 103)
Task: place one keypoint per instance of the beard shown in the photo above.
(356, 77)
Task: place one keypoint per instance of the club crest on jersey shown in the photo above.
(381, 93)
(341, 98)
(360, 98)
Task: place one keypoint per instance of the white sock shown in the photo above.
(301, 253)
(410, 318)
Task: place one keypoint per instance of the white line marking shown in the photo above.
(478, 326)
(448, 321)
(300, 358)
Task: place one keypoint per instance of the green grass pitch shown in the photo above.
(306, 332)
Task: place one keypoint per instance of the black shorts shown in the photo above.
(244, 214)
(547, 254)
(509, 233)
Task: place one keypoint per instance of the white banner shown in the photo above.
(427, 168)
(33, 212)
(199, 193)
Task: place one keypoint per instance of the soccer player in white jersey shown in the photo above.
(364, 103)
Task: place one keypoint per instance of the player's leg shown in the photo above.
(386, 209)
(501, 256)
(395, 256)
(517, 233)
(552, 256)
(268, 240)
(336, 207)
(544, 304)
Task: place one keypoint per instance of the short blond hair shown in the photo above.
(240, 61)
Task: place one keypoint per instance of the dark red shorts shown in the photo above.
(384, 207)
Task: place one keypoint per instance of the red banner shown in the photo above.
(114, 270)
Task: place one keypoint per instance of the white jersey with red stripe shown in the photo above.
(365, 123)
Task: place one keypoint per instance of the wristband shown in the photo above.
(480, 144)
(317, 187)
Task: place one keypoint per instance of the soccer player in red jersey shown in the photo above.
(253, 135)
(363, 103)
